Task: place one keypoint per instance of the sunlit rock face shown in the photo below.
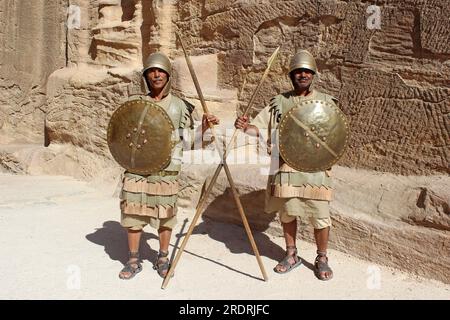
(66, 65)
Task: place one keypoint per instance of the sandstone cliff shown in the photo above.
(67, 64)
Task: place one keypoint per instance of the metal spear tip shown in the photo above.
(273, 56)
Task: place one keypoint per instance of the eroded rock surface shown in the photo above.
(66, 65)
(390, 74)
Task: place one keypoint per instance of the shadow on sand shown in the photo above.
(113, 237)
(231, 231)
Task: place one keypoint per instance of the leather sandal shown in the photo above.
(285, 262)
(162, 264)
(131, 267)
(320, 267)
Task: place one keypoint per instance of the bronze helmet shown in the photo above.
(161, 61)
(303, 59)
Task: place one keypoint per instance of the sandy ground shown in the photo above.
(61, 239)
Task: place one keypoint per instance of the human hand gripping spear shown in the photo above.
(216, 173)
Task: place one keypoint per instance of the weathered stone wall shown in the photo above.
(32, 46)
(392, 82)
(60, 82)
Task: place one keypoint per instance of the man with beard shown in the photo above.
(314, 188)
(152, 199)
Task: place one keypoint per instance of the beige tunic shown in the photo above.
(156, 195)
(286, 187)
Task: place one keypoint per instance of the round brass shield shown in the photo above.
(313, 136)
(140, 137)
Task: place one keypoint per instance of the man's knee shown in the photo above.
(321, 223)
(164, 228)
(164, 224)
(286, 218)
(133, 226)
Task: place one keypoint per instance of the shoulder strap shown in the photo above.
(186, 116)
(275, 111)
(269, 135)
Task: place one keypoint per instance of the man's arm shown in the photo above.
(253, 128)
(207, 119)
(242, 123)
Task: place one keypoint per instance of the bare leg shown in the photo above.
(290, 232)
(162, 264)
(164, 238)
(322, 236)
(134, 238)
